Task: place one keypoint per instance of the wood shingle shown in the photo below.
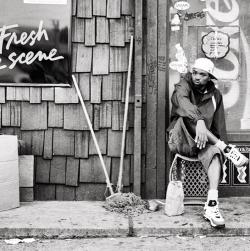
(101, 138)
(58, 170)
(78, 30)
(114, 9)
(96, 87)
(101, 59)
(2, 95)
(102, 30)
(84, 8)
(63, 142)
(42, 170)
(48, 144)
(55, 115)
(81, 144)
(117, 32)
(15, 113)
(83, 58)
(72, 171)
(90, 32)
(118, 59)
(105, 115)
(15, 93)
(100, 7)
(35, 95)
(92, 171)
(74, 118)
(34, 117)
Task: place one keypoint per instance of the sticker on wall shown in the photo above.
(215, 44)
(181, 64)
(182, 5)
(175, 28)
(176, 20)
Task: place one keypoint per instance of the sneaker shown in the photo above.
(212, 214)
(233, 154)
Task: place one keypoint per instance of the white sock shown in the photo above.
(221, 145)
(212, 195)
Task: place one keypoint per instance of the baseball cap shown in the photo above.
(205, 64)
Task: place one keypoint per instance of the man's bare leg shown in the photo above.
(211, 210)
(214, 172)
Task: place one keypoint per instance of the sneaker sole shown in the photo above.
(213, 224)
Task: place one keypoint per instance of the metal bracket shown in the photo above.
(138, 101)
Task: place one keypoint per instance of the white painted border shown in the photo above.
(45, 1)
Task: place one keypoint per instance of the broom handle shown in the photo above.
(93, 135)
(119, 183)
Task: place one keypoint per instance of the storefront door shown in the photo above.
(218, 30)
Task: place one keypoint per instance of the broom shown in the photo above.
(129, 203)
(94, 137)
(119, 183)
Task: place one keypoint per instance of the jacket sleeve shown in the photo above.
(218, 126)
(182, 103)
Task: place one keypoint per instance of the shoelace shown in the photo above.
(215, 210)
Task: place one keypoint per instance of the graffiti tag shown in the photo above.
(190, 16)
(151, 75)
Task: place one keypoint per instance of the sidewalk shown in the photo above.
(81, 219)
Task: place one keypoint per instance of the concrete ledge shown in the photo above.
(60, 219)
(82, 219)
(235, 211)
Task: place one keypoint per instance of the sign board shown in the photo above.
(215, 44)
(35, 43)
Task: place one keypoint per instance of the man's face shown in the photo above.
(200, 78)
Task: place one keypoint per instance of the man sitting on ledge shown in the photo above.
(198, 129)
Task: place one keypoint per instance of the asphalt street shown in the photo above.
(173, 243)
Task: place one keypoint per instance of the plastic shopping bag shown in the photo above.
(174, 199)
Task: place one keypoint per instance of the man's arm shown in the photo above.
(181, 101)
(185, 108)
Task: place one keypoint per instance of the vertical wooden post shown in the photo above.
(167, 111)
(151, 96)
(138, 98)
(161, 101)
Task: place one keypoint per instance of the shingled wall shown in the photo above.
(51, 120)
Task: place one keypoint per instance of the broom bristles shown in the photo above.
(126, 203)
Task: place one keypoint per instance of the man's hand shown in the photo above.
(201, 134)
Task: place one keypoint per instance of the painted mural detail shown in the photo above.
(231, 25)
(224, 177)
(241, 174)
(232, 18)
(215, 44)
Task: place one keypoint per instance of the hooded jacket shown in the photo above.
(188, 101)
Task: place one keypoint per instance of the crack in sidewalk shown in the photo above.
(130, 227)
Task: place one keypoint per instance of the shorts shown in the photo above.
(180, 141)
